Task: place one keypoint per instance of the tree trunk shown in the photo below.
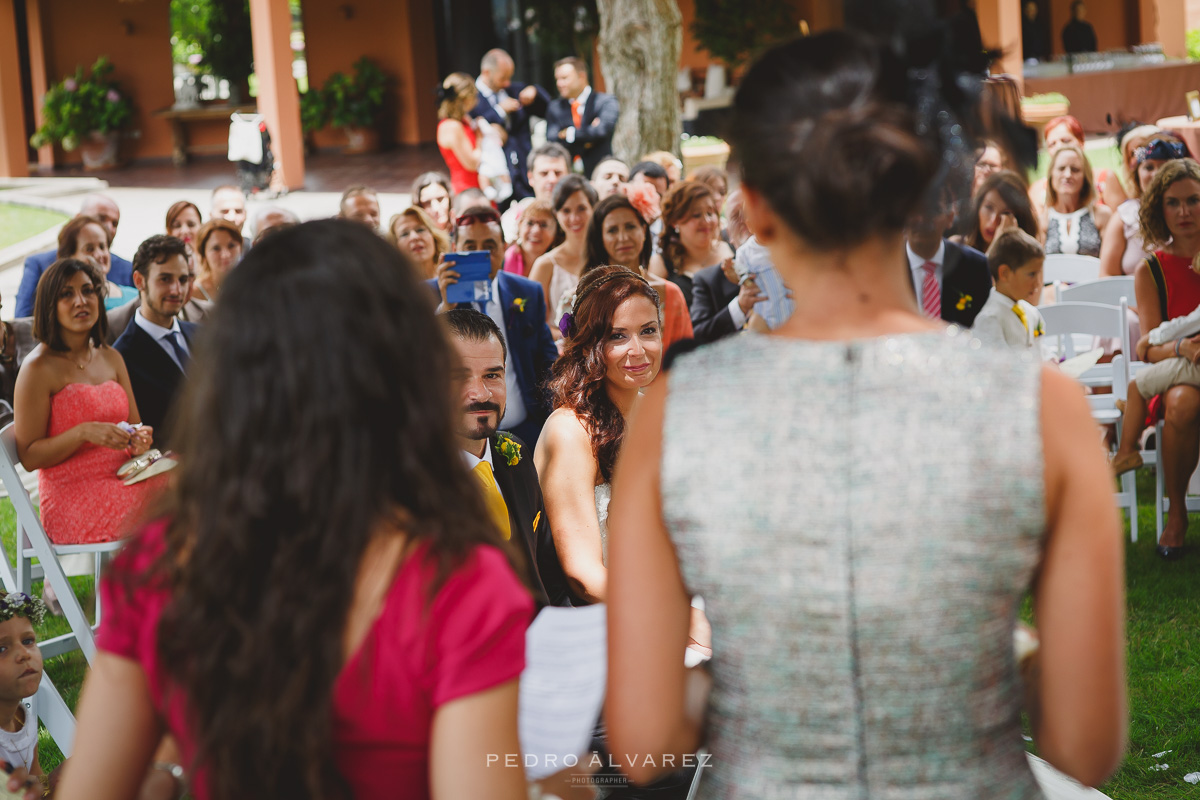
(639, 44)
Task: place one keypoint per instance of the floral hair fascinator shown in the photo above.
(19, 604)
(1159, 150)
(445, 93)
(644, 197)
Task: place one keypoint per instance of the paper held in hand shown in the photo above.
(562, 687)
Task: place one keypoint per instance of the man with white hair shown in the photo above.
(510, 105)
(106, 212)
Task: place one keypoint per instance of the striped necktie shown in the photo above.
(931, 293)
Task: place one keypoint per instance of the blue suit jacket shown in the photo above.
(121, 271)
(528, 339)
(520, 141)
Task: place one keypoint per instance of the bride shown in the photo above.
(613, 350)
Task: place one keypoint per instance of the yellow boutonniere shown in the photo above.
(1039, 330)
(536, 520)
(964, 301)
(519, 304)
(509, 448)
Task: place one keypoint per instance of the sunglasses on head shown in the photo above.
(482, 217)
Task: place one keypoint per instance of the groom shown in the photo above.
(500, 461)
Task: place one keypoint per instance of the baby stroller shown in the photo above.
(250, 149)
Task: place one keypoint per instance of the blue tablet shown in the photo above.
(474, 277)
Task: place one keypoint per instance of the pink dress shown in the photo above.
(414, 659)
(82, 499)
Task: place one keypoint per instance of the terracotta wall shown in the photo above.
(399, 36)
(137, 39)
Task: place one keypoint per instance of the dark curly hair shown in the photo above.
(597, 254)
(1151, 220)
(302, 431)
(577, 380)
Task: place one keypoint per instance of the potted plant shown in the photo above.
(313, 115)
(86, 113)
(1041, 108)
(702, 151)
(355, 102)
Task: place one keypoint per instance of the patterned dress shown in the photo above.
(82, 499)
(862, 532)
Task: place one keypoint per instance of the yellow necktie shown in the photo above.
(1021, 316)
(495, 500)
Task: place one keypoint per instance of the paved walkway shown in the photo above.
(144, 193)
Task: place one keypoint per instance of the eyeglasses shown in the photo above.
(482, 217)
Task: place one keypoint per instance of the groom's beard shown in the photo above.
(483, 428)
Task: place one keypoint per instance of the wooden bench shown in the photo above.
(181, 117)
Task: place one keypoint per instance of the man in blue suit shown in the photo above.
(581, 119)
(518, 307)
(510, 104)
(104, 209)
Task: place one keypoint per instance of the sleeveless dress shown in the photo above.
(1135, 248)
(461, 178)
(82, 499)
(603, 498)
(1083, 238)
(19, 748)
(862, 605)
(562, 286)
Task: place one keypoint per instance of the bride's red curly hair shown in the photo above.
(578, 378)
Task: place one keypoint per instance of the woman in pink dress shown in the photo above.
(72, 398)
(326, 610)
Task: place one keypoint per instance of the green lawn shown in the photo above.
(1163, 658)
(18, 223)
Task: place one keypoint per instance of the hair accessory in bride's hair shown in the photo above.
(566, 325)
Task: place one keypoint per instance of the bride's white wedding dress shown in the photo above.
(603, 497)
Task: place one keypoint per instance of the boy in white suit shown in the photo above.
(1015, 261)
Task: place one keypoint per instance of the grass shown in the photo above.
(1163, 608)
(18, 223)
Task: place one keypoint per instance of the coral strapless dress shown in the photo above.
(82, 499)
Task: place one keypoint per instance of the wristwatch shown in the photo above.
(175, 771)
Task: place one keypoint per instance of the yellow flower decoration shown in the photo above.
(509, 449)
(964, 302)
(519, 304)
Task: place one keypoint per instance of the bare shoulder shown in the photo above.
(564, 428)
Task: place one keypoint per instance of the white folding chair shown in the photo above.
(1161, 504)
(1108, 291)
(1066, 321)
(1062, 268)
(32, 542)
(1126, 496)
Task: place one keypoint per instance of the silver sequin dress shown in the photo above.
(862, 520)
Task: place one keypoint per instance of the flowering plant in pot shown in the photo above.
(85, 112)
(355, 103)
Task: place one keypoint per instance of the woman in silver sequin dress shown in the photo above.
(862, 497)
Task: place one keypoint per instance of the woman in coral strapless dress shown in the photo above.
(72, 392)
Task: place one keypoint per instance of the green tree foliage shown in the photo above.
(734, 31)
(563, 26)
(355, 100)
(213, 36)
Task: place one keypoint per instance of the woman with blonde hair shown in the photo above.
(1143, 150)
(416, 235)
(458, 138)
(1072, 219)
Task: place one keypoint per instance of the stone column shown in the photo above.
(14, 161)
(1000, 24)
(278, 100)
(37, 73)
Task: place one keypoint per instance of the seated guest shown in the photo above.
(559, 269)
(518, 308)
(691, 237)
(72, 398)
(157, 347)
(423, 242)
(618, 234)
(548, 164)
(431, 191)
(613, 351)
(501, 461)
(1144, 150)
(420, 615)
(537, 232)
(85, 239)
(19, 614)
(1072, 218)
(1007, 320)
(99, 207)
(466, 199)
(229, 202)
(120, 317)
(714, 178)
(610, 177)
(721, 302)
(950, 280)
(1001, 202)
(219, 245)
(360, 204)
(991, 159)
(270, 218)
(183, 222)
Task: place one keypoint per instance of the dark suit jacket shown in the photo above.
(120, 271)
(529, 342)
(711, 293)
(121, 317)
(964, 275)
(153, 375)
(520, 141)
(593, 138)
(530, 525)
